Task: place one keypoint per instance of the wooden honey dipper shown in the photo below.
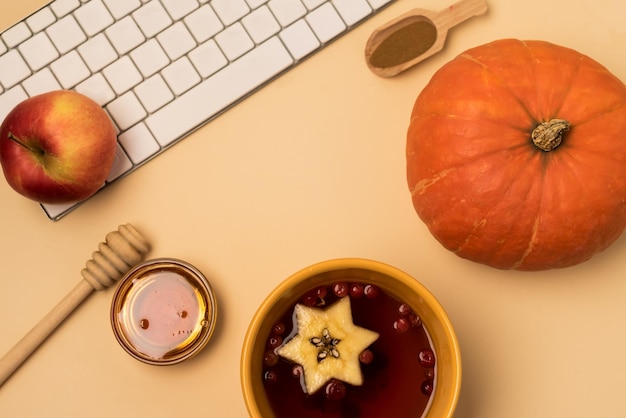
(121, 250)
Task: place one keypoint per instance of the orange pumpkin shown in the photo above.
(516, 155)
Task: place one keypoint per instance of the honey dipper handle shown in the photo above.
(29, 343)
(121, 250)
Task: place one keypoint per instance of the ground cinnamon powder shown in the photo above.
(405, 44)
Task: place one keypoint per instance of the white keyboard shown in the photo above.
(163, 68)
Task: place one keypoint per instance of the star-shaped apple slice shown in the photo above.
(327, 344)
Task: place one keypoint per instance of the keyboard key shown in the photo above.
(38, 51)
(287, 11)
(93, 17)
(63, 7)
(207, 58)
(11, 98)
(97, 52)
(149, 58)
(230, 11)
(352, 11)
(97, 88)
(261, 24)
(139, 143)
(313, 4)
(180, 8)
(256, 3)
(70, 69)
(126, 110)
(14, 69)
(325, 22)
(121, 8)
(3, 47)
(41, 82)
(152, 18)
(16, 34)
(176, 40)
(220, 91)
(66, 34)
(121, 164)
(377, 4)
(234, 41)
(122, 75)
(203, 23)
(55, 210)
(154, 93)
(40, 20)
(299, 39)
(180, 76)
(125, 35)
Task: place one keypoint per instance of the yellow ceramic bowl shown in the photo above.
(391, 281)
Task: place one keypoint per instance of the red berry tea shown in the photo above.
(398, 368)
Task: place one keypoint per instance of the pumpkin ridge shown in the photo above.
(506, 87)
(532, 62)
(420, 187)
(531, 244)
(495, 210)
(595, 67)
(589, 148)
(565, 98)
(570, 83)
(470, 235)
(424, 183)
(601, 113)
(496, 122)
(547, 158)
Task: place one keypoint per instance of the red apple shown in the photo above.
(57, 147)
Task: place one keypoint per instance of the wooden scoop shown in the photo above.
(415, 36)
(122, 250)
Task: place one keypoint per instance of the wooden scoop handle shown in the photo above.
(122, 250)
(458, 13)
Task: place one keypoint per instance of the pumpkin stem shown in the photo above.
(548, 135)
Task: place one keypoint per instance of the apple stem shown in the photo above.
(23, 144)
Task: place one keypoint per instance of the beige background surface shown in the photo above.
(311, 168)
